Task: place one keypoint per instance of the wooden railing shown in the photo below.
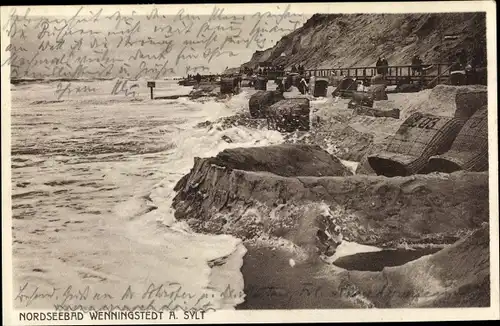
(394, 74)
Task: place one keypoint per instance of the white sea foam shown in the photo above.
(105, 167)
(160, 227)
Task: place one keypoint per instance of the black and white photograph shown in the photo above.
(172, 163)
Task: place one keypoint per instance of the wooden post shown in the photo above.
(151, 85)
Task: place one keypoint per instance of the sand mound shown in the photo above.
(355, 137)
(442, 100)
(450, 101)
(241, 193)
(457, 276)
(347, 135)
(371, 112)
(284, 160)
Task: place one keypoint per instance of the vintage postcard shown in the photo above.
(219, 163)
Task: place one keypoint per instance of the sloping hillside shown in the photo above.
(334, 40)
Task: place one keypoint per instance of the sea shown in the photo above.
(92, 184)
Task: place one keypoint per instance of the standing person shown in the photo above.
(303, 86)
(470, 75)
(281, 70)
(457, 71)
(462, 58)
(281, 87)
(198, 79)
(385, 66)
(416, 64)
(294, 68)
(312, 85)
(379, 66)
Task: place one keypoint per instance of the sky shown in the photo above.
(95, 44)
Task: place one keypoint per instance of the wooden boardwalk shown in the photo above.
(434, 73)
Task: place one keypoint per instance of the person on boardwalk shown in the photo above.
(416, 65)
(462, 58)
(384, 66)
(379, 65)
(457, 69)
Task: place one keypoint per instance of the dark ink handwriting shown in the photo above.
(90, 44)
(28, 297)
(122, 87)
(68, 89)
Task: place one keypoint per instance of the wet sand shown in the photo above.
(271, 283)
